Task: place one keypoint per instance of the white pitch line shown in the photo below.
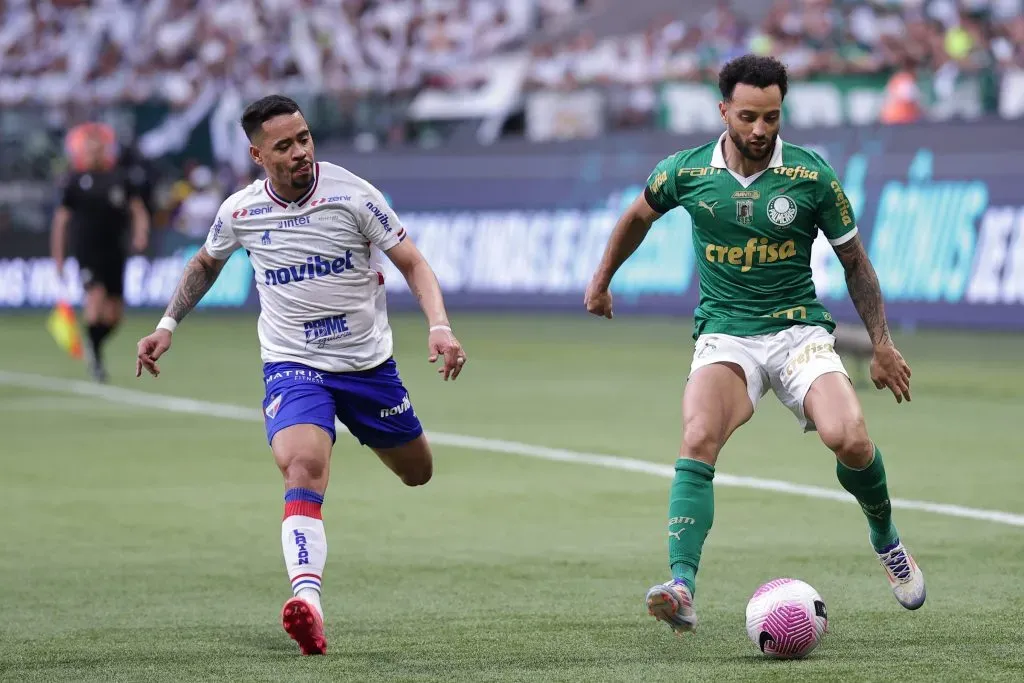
(234, 412)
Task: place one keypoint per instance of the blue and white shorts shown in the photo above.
(373, 404)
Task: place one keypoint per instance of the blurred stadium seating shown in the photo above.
(452, 106)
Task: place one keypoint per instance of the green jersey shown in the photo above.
(752, 236)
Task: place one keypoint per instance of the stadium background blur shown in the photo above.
(508, 134)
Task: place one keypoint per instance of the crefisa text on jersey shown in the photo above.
(314, 267)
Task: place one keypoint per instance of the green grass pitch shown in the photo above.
(144, 545)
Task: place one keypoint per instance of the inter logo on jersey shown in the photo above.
(781, 210)
(292, 222)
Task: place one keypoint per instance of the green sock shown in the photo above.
(691, 511)
(868, 487)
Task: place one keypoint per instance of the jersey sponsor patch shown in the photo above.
(254, 211)
(324, 330)
(314, 267)
(381, 216)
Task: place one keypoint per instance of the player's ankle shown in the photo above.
(312, 596)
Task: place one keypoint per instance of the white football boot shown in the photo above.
(672, 602)
(905, 577)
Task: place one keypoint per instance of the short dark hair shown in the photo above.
(265, 109)
(760, 72)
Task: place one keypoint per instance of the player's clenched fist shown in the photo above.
(598, 300)
(442, 343)
(150, 350)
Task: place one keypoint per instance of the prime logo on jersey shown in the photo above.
(314, 267)
(327, 329)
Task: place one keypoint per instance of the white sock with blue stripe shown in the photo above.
(304, 543)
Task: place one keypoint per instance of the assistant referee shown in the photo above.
(101, 203)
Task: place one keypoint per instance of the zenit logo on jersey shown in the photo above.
(314, 267)
(329, 200)
(327, 329)
(255, 211)
(380, 215)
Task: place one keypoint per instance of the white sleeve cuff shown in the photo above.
(845, 238)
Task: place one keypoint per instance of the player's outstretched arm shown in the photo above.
(629, 233)
(888, 368)
(423, 283)
(201, 272)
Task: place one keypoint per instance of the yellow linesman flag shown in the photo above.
(64, 329)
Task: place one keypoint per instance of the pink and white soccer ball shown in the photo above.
(786, 618)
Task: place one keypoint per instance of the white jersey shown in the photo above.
(321, 296)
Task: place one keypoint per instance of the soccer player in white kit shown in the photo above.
(324, 335)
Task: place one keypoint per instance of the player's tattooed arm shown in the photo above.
(200, 273)
(866, 293)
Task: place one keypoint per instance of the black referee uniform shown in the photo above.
(100, 225)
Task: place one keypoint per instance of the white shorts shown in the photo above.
(787, 361)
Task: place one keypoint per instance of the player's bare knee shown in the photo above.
(418, 474)
(700, 442)
(304, 470)
(850, 442)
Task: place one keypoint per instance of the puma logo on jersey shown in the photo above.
(710, 207)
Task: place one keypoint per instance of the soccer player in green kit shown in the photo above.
(756, 205)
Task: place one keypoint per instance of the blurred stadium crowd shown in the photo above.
(60, 51)
(812, 37)
(360, 64)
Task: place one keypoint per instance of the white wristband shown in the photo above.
(167, 323)
(440, 327)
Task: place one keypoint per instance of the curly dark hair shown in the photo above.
(760, 72)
